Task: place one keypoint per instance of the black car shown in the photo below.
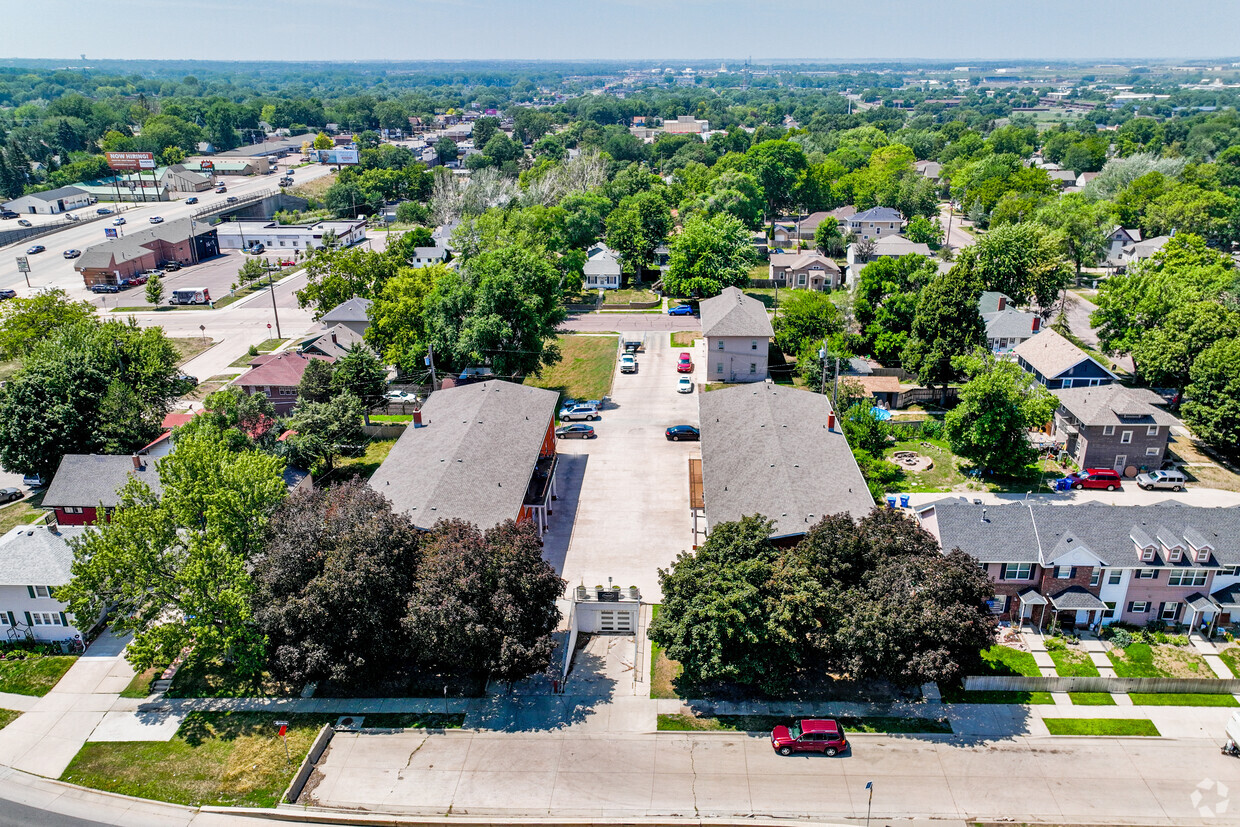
(38, 248)
(172, 266)
(232, 199)
(193, 199)
(578, 430)
(8, 215)
(103, 211)
(678, 433)
(8, 294)
(8, 495)
(105, 288)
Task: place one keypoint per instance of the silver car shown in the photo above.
(587, 412)
(1173, 480)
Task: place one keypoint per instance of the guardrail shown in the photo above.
(19, 234)
(242, 201)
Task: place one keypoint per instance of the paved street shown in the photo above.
(615, 322)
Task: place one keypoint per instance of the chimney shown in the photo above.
(1002, 303)
(137, 462)
(417, 419)
(831, 422)
(333, 338)
(1037, 323)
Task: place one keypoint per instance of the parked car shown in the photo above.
(105, 288)
(156, 219)
(257, 248)
(103, 211)
(119, 220)
(172, 266)
(570, 402)
(578, 430)
(401, 396)
(38, 248)
(587, 412)
(1172, 479)
(685, 363)
(628, 364)
(193, 199)
(8, 215)
(138, 280)
(1092, 478)
(187, 382)
(21, 222)
(681, 310)
(8, 495)
(8, 294)
(72, 253)
(809, 735)
(684, 385)
(33, 481)
(682, 433)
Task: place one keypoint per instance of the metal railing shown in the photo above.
(242, 201)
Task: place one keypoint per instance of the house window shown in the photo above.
(45, 618)
(1111, 611)
(1114, 577)
(1139, 607)
(1147, 555)
(719, 368)
(801, 279)
(1230, 571)
(721, 344)
(1095, 577)
(1187, 577)
(1125, 438)
(288, 391)
(1151, 430)
(997, 604)
(753, 367)
(1108, 430)
(1151, 452)
(753, 344)
(1169, 611)
(73, 509)
(42, 591)
(1016, 571)
(1063, 572)
(1147, 574)
(1175, 555)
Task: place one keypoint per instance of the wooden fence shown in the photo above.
(908, 397)
(1016, 683)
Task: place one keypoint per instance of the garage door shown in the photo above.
(615, 621)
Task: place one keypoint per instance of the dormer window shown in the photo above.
(1147, 555)
(1175, 555)
(1203, 555)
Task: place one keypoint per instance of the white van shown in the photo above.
(190, 295)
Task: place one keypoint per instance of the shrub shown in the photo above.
(1161, 637)
(932, 428)
(253, 351)
(1055, 644)
(1122, 638)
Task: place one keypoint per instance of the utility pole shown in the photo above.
(835, 394)
(430, 362)
(274, 310)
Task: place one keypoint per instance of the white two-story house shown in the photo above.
(34, 561)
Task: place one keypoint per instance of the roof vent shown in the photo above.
(984, 520)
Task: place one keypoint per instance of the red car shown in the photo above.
(810, 735)
(1095, 478)
(685, 363)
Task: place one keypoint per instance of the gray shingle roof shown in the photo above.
(732, 313)
(474, 458)
(355, 309)
(1076, 597)
(1014, 533)
(1051, 354)
(766, 450)
(988, 302)
(90, 480)
(56, 194)
(878, 214)
(1104, 404)
(898, 245)
(1009, 324)
(37, 555)
(334, 342)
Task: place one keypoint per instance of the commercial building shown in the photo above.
(184, 241)
(50, 202)
(241, 235)
(483, 452)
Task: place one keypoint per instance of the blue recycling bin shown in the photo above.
(891, 502)
(904, 500)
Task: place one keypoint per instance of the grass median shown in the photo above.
(1101, 726)
(1092, 698)
(685, 722)
(1181, 699)
(958, 695)
(33, 674)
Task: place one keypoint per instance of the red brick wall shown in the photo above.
(548, 443)
(1051, 585)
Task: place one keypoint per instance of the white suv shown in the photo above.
(587, 412)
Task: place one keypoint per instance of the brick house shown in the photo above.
(1110, 426)
(86, 483)
(1057, 363)
(184, 241)
(738, 333)
(810, 271)
(276, 376)
(1081, 565)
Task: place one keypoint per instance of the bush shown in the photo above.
(932, 428)
(1055, 644)
(253, 351)
(1122, 638)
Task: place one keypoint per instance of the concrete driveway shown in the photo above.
(628, 490)
(1022, 778)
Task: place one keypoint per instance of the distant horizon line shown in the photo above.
(1022, 61)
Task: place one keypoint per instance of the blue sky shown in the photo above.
(826, 30)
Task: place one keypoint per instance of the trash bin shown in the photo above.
(904, 500)
(891, 502)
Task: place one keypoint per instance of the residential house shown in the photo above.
(1117, 240)
(602, 269)
(35, 560)
(779, 452)
(875, 222)
(1141, 250)
(1087, 563)
(85, 484)
(1111, 426)
(426, 256)
(276, 237)
(738, 333)
(1057, 363)
(1061, 177)
(332, 343)
(1006, 327)
(184, 241)
(353, 314)
(809, 225)
(161, 446)
(811, 271)
(1084, 178)
(482, 452)
(50, 202)
(930, 169)
(277, 376)
(888, 246)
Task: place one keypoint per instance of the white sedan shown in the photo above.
(401, 396)
(684, 385)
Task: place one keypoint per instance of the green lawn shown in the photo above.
(266, 346)
(363, 466)
(663, 670)
(7, 716)
(1137, 661)
(585, 369)
(215, 759)
(765, 723)
(391, 418)
(1182, 699)
(199, 678)
(1141, 660)
(21, 512)
(627, 294)
(1092, 698)
(1004, 660)
(957, 695)
(1073, 663)
(1230, 656)
(140, 686)
(1101, 726)
(189, 347)
(951, 473)
(766, 295)
(34, 674)
(684, 338)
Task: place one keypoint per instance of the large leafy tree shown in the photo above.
(324, 431)
(777, 165)
(637, 227)
(1213, 406)
(397, 328)
(998, 406)
(707, 255)
(360, 373)
(1165, 354)
(173, 568)
(26, 322)
(1020, 260)
(331, 585)
(337, 275)
(886, 303)
(484, 601)
(947, 325)
(1081, 226)
(239, 420)
(806, 317)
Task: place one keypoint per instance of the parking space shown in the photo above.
(625, 508)
(216, 274)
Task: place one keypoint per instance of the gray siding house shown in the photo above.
(1057, 363)
(738, 334)
(1113, 427)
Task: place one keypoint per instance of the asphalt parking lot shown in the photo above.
(624, 496)
(217, 274)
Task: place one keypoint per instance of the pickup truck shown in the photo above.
(628, 364)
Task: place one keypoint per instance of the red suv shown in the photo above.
(1095, 478)
(810, 735)
(685, 363)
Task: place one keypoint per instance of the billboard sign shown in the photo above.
(207, 165)
(109, 232)
(131, 160)
(336, 156)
